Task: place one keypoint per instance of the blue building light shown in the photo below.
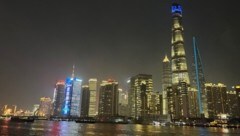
(77, 79)
(68, 93)
(176, 8)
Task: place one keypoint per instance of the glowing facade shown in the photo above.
(45, 107)
(216, 99)
(180, 77)
(108, 98)
(140, 96)
(166, 82)
(73, 95)
(93, 97)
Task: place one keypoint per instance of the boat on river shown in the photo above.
(22, 119)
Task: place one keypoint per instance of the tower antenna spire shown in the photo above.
(73, 72)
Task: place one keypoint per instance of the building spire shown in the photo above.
(166, 59)
(73, 71)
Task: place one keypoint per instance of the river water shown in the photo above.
(64, 128)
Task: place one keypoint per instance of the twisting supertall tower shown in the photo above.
(180, 76)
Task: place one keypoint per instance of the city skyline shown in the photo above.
(40, 42)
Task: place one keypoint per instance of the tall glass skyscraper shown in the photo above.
(180, 76)
(73, 95)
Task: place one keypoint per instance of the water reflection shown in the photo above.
(64, 128)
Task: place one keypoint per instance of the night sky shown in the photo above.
(41, 40)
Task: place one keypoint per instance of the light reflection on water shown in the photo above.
(64, 128)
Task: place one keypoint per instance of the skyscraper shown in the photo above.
(232, 100)
(140, 96)
(73, 96)
(45, 107)
(180, 77)
(166, 82)
(237, 89)
(216, 99)
(58, 98)
(108, 99)
(199, 81)
(85, 101)
(93, 97)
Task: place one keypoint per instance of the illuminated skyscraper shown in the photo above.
(193, 103)
(216, 99)
(232, 100)
(58, 98)
(180, 77)
(108, 99)
(93, 97)
(45, 107)
(166, 82)
(73, 96)
(237, 89)
(140, 96)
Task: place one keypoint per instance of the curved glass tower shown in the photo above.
(179, 63)
(180, 76)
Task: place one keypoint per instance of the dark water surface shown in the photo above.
(64, 128)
